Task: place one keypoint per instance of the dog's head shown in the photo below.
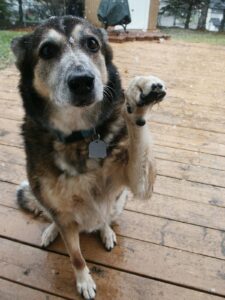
(66, 61)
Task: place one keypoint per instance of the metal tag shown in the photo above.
(97, 149)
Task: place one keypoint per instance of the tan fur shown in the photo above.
(53, 35)
(66, 122)
(99, 61)
(99, 58)
(64, 193)
(77, 31)
(40, 85)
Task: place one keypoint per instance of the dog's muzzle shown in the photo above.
(81, 86)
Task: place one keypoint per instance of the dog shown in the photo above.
(86, 140)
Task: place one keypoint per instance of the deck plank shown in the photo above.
(167, 264)
(181, 171)
(42, 269)
(190, 191)
(169, 208)
(216, 124)
(171, 247)
(167, 114)
(164, 135)
(13, 291)
(197, 137)
(192, 158)
(148, 228)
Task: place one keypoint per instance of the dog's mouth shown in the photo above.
(82, 102)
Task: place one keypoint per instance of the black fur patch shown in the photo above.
(21, 199)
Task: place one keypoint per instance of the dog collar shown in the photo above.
(96, 149)
(75, 136)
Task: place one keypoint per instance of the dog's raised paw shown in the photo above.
(156, 94)
(86, 287)
(108, 237)
(49, 235)
(143, 91)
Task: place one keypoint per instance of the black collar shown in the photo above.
(75, 136)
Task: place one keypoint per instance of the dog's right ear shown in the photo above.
(19, 47)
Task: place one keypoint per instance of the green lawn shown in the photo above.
(195, 36)
(6, 56)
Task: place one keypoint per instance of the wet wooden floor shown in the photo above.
(169, 248)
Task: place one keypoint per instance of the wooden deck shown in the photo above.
(169, 248)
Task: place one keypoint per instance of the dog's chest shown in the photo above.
(91, 199)
(101, 199)
(74, 160)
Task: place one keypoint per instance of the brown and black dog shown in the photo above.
(85, 139)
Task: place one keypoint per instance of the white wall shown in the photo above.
(139, 10)
(213, 14)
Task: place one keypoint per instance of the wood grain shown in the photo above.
(160, 205)
(11, 291)
(178, 236)
(38, 268)
(135, 256)
(170, 233)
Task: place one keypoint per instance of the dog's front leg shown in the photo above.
(142, 93)
(85, 284)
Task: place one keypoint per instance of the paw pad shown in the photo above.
(156, 94)
(129, 109)
(142, 92)
(140, 122)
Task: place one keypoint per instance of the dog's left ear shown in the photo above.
(19, 47)
(104, 34)
(107, 48)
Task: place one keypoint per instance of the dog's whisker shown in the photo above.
(109, 96)
(111, 91)
(110, 88)
(108, 93)
(106, 98)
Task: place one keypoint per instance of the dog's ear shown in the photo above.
(19, 47)
(104, 34)
(107, 48)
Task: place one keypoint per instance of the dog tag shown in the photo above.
(97, 149)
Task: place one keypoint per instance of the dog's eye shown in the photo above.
(48, 50)
(92, 44)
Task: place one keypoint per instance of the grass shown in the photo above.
(195, 36)
(6, 56)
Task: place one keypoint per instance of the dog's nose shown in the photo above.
(81, 83)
